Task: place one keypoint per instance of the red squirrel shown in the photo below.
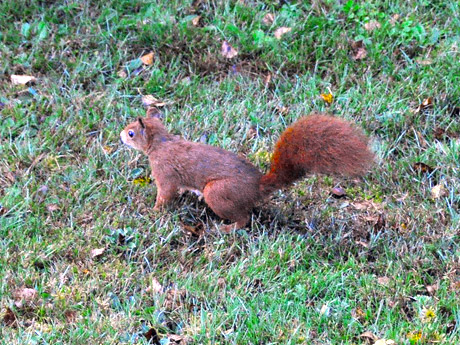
(230, 184)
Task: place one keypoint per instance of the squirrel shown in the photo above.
(231, 185)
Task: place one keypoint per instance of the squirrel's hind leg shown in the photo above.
(229, 200)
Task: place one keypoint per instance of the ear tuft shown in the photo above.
(141, 122)
(154, 112)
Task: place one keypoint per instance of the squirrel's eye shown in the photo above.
(131, 134)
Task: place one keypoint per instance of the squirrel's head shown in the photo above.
(145, 134)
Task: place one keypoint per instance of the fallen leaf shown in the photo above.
(385, 342)
(358, 314)
(107, 149)
(327, 97)
(394, 19)
(281, 31)
(325, 310)
(177, 339)
(196, 21)
(149, 100)
(52, 207)
(338, 192)
(283, 110)
(24, 295)
(439, 133)
(372, 25)
(228, 51)
(424, 62)
(147, 59)
(122, 73)
(359, 51)
(70, 316)
(252, 132)
(438, 191)
(95, 253)
(142, 181)
(267, 79)
(9, 319)
(196, 230)
(426, 104)
(152, 336)
(368, 335)
(432, 288)
(268, 19)
(383, 280)
(22, 79)
(380, 224)
(422, 168)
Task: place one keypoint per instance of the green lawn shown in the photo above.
(311, 268)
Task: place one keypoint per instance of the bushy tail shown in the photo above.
(317, 144)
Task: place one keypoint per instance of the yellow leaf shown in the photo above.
(327, 97)
(148, 58)
(142, 181)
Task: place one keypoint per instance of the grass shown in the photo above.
(310, 269)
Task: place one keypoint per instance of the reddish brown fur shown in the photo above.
(231, 185)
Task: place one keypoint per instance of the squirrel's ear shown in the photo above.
(141, 122)
(154, 112)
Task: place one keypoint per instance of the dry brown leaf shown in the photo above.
(24, 295)
(372, 25)
(358, 314)
(152, 336)
(228, 51)
(281, 31)
(383, 280)
(269, 18)
(177, 339)
(147, 59)
(22, 79)
(95, 253)
(338, 192)
(70, 316)
(52, 207)
(267, 79)
(380, 224)
(122, 73)
(422, 168)
(432, 288)
(283, 110)
(394, 19)
(359, 51)
(368, 335)
(155, 287)
(196, 21)
(149, 100)
(385, 342)
(107, 149)
(424, 62)
(438, 191)
(9, 318)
